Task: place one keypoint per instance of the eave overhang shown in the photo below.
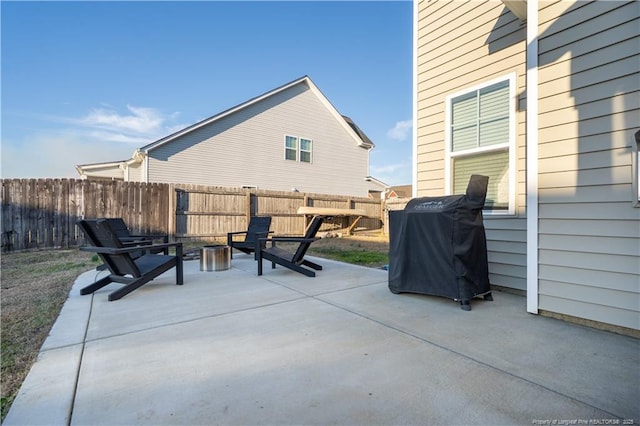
(517, 7)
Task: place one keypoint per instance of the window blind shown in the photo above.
(493, 164)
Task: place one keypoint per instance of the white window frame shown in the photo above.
(287, 149)
(310, 150)
(299, 149)
(635, 166)
(510, 145)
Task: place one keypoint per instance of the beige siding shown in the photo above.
(462, 44)
(135, 172)
(589, 230)
(107, 172)
(247, 149)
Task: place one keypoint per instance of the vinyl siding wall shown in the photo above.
(247, 148)
(107, 172)
(460, 45)
(134, 172)
(589, 110)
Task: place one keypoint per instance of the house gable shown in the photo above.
(358, 135)
(245, 146)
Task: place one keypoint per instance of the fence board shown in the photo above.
(42, 213)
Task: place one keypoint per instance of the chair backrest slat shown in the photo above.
(118, 227)
(312, 230)
(100, 234)
(257, 225)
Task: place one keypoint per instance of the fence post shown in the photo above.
(182, 205)
(43, 213)
(247, 206)
(171, 212)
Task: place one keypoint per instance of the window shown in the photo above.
(305, 150)
(480, 123)
(291, 148)
(297, 149)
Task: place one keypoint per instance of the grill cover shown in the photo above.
(437, 245)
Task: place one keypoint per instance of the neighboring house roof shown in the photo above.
(108, 170)
(366, 141)
(376, 184)
(111, 170)
(358, 135)
(401, 191)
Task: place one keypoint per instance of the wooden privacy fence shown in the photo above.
(205, 212)
(42, 213)
(392, 204)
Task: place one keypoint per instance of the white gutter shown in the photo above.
(532, 157)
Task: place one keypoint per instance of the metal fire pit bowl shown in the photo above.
(215, 258)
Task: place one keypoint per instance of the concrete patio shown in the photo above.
(230, 347)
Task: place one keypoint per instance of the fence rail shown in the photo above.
(42, 213)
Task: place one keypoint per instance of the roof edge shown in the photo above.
(357, 134)
(222, 114)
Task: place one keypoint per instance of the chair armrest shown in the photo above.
(110, 250)
(263, 241)
(291, 239)
(132, 240)
(130, 249)
(163, 237)
(258, 234)
(231, 234)
(274, 240)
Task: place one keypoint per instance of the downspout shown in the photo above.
(145, 166)
(414, 127)
(141, 157)
(532, 156)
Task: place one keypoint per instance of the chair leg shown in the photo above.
(312, 265)
(303, 271)
(229, 243)
(179, 272)
(298, 268)
(134, 285)
(96, 285)
(179, 266)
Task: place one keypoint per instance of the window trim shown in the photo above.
(635, 167)
(299, 149)
(510, 145)
(310, 150)
(288, 149)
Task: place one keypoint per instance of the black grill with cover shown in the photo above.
(437, 246)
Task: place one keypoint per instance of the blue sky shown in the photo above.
(88, 82)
